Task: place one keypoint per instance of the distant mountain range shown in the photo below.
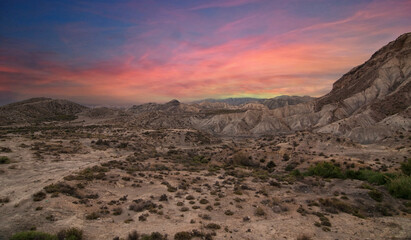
(366, 104)
(271, 103)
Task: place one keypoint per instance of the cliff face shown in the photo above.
(360, 105)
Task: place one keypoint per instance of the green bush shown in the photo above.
(33, 235)
(326, 170)
(372, 177)
(400, 187)
(406, 167)
(4, 160)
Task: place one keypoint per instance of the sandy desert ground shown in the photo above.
(111, 180)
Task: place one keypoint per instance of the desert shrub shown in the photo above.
(117, 211)
(141, 205)
(93, 216)
(183, 236)
(60, 188)
(214, 226)
(205, 216)
(153, 236)
(228, 212)
(184, 209)
(259, 211)
(303, 237)
(270, 165)
(200, 160)
(89, 174)
(367, 175)
(400, 187)
(291, 166)
(142, 218)
(406, 167)
(286, 157)
(243, 160)
(5, 149)
(70, 234)
(33, 235)
(4, 160)
(261, 174)
(376, 195)
(171, 188)
(133, 236)
(326, 170)
(334, 205)
(102, 142)
(163, 197)
(296, 173)
(190, 197)
(39, 196)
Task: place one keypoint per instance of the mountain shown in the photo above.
(367, 104)
(282, 101)
(230, 101)
(36, 110)
(271, 103)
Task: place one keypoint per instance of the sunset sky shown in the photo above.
(128, 52)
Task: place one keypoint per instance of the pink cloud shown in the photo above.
(302, 61)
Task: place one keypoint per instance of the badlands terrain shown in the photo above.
(333, 167)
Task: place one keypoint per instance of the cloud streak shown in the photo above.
(257, 50)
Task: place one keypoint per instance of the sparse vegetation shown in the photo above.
(259, 211)
(117, 211)
(92, 216)
(400, 187)
(39, 196)
(326, 170)
(149, 177)
(33, 235)
(406, 167)
(243, 159)
(376, 195)
(214, 226)
(4, 160)
(70, 234)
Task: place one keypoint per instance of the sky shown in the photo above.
(128, 52)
